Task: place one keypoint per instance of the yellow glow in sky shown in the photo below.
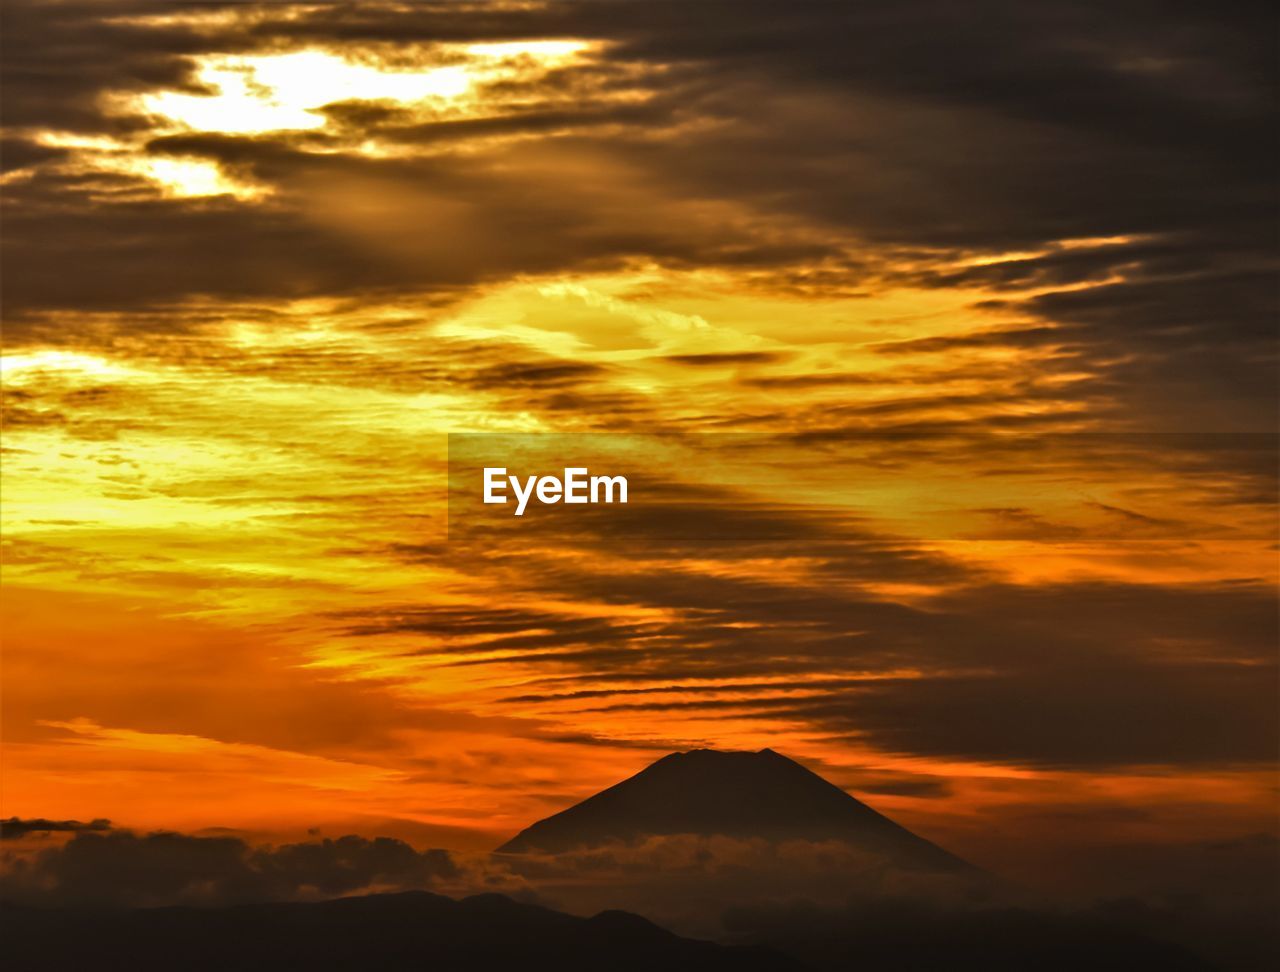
(174, 177)
(282, 92)
(193, 177)
(287, 91)
(17, 367)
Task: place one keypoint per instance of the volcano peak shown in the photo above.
(732, 793)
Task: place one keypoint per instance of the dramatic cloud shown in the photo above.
(1092, 146)
(983, 295)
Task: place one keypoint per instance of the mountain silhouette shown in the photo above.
(734, 794)
(414, 930)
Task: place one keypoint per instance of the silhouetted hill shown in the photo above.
(386, 932)
(735, 794)
(904, 935)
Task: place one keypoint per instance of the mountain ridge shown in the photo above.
(411, 930)
(732, 793)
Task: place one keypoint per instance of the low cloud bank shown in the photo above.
(828, 904)
(119, 868)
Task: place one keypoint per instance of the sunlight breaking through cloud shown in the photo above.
(251, 94)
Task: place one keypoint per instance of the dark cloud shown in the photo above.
(919, 131)
(1066, 675)
(994, 129)
(109, 52)
(550, 373)
(726, 358)
(1063, 675)
(20, 153)
(124, 869)
(903, 785)
(1069, 715)
(16, 827)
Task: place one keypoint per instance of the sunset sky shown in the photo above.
(1011, 275)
